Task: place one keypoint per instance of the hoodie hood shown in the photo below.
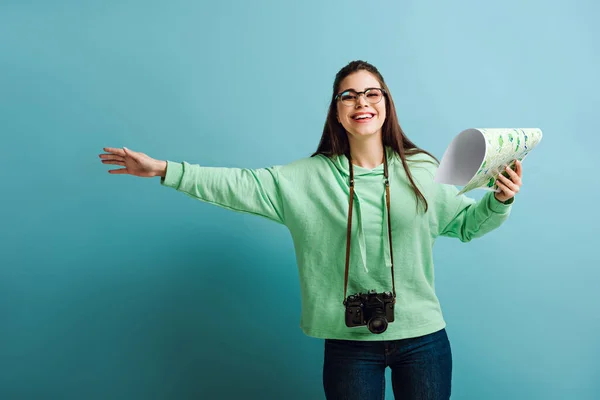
(341, 163)
(362, 174)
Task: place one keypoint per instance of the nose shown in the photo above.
(361, 99)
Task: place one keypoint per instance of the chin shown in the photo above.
(366, 132)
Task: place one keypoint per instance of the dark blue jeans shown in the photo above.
(421, 368)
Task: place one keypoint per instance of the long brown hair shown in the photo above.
(334, 140)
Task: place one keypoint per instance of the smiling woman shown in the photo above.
(365, 167)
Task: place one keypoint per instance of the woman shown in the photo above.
(363, 212)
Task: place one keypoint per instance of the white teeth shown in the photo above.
(363, 116)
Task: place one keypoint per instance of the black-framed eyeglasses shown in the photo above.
(350, 97)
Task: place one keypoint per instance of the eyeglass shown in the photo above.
(350, 97)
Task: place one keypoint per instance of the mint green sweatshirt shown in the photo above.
(310, 197)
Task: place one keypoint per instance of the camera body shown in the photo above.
(372, 309)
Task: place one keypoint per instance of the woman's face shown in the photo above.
(360, 117)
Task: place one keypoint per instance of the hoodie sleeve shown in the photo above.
(463, 217)
(252, 191)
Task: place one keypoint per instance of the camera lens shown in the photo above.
(377, 324)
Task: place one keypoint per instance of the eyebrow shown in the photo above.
(368, 87)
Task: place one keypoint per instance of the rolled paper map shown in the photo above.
(476, 157)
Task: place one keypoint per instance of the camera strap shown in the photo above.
(349, 234)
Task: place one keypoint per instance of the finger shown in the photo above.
(519, 168)
(505, 189)
(113, 162)
(513, 175)
(118, 171)
(131, 153)
(508, 183)
(111, 157)
(114, 150)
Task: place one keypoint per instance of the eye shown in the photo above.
(348, 96)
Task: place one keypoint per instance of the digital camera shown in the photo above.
(375, 310)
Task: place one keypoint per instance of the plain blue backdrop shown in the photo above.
(113, 287)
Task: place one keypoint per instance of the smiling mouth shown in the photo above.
(363, 117)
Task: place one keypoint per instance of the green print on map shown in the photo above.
(482, 167)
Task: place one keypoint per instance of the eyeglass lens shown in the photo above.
(350, 97)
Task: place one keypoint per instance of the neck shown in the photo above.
(367, 153)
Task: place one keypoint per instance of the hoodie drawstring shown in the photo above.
(362, 245)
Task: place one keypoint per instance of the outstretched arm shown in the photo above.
(253, 191)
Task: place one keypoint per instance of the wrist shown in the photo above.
(161, 169)
(507, 201)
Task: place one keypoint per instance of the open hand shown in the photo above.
(509, 187)
(135, 163)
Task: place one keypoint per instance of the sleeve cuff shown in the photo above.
(173, 175)
(498, 206)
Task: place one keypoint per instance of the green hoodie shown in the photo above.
(310, 197)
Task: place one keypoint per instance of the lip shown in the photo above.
(362, 121)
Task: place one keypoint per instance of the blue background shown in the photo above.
(112, 287)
